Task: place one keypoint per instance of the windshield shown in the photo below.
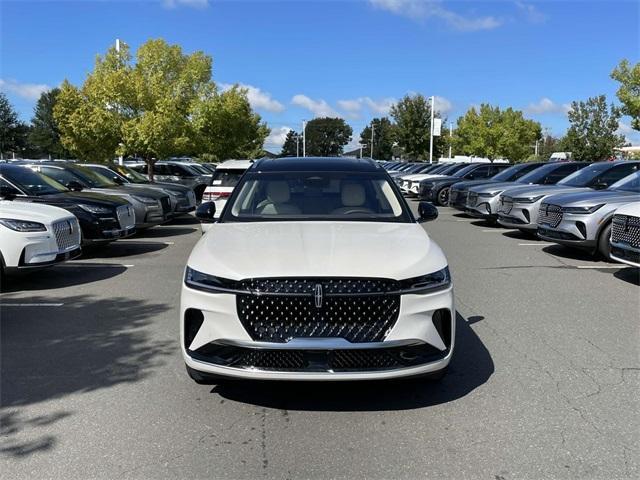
(630, 183)
(539, 174)
(462, 171)
(314, 196)
(199, 168)
(584, 176)
(33, 183)
(514, 173)
(130, 174)
(227, 177)
(91, 178)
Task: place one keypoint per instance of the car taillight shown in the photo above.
(220, 194)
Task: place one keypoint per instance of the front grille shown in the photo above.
(166, 204)
(126, 216)
(550, 215)
(626, 229)
(338, 360)
(67, 234)
(472, 199)
(625, 254)
(358, 310)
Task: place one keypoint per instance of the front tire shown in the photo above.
(603, 243)
(443, 197)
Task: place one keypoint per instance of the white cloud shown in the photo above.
(277, 137)
(425, 9)
(531, 12)
(319, 108)
(442, 105)
(257, 98)
(351, 106)
(632, 136)
(30, 91)
(546, 105)
(354, 106)
(185, 3)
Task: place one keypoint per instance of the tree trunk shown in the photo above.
(150, 163)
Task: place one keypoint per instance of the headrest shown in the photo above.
(353, 195)
(278, 191)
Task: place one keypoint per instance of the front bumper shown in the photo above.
(414, 339)
(580, 231)
(523, 216)
(624, 253)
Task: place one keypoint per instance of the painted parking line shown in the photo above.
(538, 244)
(145, 242)
(95, 265)
(3, 304)
(495, 230)
(598, 267)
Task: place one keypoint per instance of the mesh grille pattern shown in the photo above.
(364, 359)
(550, 215)
(273, 359)
(126, 216)
(67, 234)
(626, 229)
(358, 310)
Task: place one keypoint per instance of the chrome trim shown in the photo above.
(327, 343)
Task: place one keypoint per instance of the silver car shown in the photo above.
(583, 219)
(519, 207)
(483, 201)
(151, 207)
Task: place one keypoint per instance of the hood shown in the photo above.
(425, 176)
(66, 199)
(174, 187)
(495, 187)
(536, 190)
(129, 190)
(32, 212)
(593, 197)
(631, 209)
(467, 184)
(316, 249)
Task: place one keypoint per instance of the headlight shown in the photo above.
(431, 282)
(488, 194)
(582, 210)
(22, 225)
(94, 208)
(208, 283)
(146, 200)
(527, 199)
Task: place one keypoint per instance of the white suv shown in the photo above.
(625, 234)
(299, 279)
(34, 235)
(224, 180)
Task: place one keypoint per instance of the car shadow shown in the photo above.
(470, 367)
(128, 248)
(67, 274)
(520, 235)
(628, 274)
(184, 220)
(161, 231)
(572, 253)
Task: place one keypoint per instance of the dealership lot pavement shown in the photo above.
(544, 383)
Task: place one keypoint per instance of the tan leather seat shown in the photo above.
(278, 196)
(353, 197)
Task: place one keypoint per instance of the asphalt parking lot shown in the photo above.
(544, 383)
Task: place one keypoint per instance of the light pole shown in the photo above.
(433, 99)
(450, 137)
(304, 138)
(361, 145)
(297, 145)
(372, 130)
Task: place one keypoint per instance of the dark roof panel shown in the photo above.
(314, 164)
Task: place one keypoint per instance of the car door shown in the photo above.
(479, 173)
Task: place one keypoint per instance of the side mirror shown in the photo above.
(599, 186)
(206, 212)
(426, 212)
(75, 186)
(118, 180)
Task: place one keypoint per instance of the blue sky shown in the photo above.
(303, 59)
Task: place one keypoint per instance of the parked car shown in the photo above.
(411, 183)
(436, 190)
(406, 169)
(519, 206)
(424, 168)
(177, 172)
(583, 219)
(459, 191)
(224, 180)
(483, 201)
(183, 199)
(151, 207)
(316, 303)
(102, 218)
(35, 236)
(625, 234)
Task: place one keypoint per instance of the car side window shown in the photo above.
(560, 172)
(178, 171)
(480, 172)
(616, 173)
(58, 174)
(162, 170)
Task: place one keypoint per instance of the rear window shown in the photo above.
(226, 177)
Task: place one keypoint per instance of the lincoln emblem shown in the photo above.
(318, 295)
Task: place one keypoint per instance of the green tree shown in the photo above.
(228, 128)
(13, 132)
(592, 132)
(326, 137)
(44, 136)
(384, 137)
(629, 91)
(292, 145)
(162, 104)
(412, 116)
(494, 133)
